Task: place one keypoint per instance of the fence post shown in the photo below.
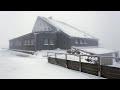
(66, 60)
(55, 56)
(47, 54)
(80, 63)
(99, 66)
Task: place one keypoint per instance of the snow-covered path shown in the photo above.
(17, 66)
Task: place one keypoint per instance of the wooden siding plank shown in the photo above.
(61, 62)
(74, 65)
(52, 60)
(110, 72)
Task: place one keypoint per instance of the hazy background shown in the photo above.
(101, 24)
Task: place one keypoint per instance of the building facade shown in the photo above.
(49, 34)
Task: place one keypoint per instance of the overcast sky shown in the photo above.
(102, 24)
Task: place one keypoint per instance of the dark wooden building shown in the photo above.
(49, 34)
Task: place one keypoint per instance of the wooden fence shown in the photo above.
(74, 65)
(94, 69)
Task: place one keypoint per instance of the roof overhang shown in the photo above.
(95, 50)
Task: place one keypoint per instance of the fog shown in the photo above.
(104, 25)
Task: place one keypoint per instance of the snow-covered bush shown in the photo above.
(69, 51)
(92, 60)
(73, 51)
(77, 52)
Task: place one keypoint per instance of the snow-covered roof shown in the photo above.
(70, 30)
(95, 50)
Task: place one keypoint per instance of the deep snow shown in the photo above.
(14, 65)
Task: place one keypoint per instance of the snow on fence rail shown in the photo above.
(91, 68)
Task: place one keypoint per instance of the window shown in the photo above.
(51, 41)
(16, 43)
(46, 42)
(19, 43)
(28, 42)
(85, 41)
(25, 42)
(32, 41)
(81, 41)
(76, 41)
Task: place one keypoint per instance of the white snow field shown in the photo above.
(16, 65)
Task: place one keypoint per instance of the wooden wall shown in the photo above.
(22, 40)
(45, 35)
(63, 41)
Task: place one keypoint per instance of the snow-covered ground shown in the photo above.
(16, 65)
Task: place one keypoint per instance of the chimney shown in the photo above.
(50, 17)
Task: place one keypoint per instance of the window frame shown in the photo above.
(25, 42)
(81, 41)
(77, 42)
(16, 43)
(85, 41)
(31, 41)
(19, 43)
(52, 41)
(28, 42)
(44, 42)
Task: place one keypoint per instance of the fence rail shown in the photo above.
(94, 69)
